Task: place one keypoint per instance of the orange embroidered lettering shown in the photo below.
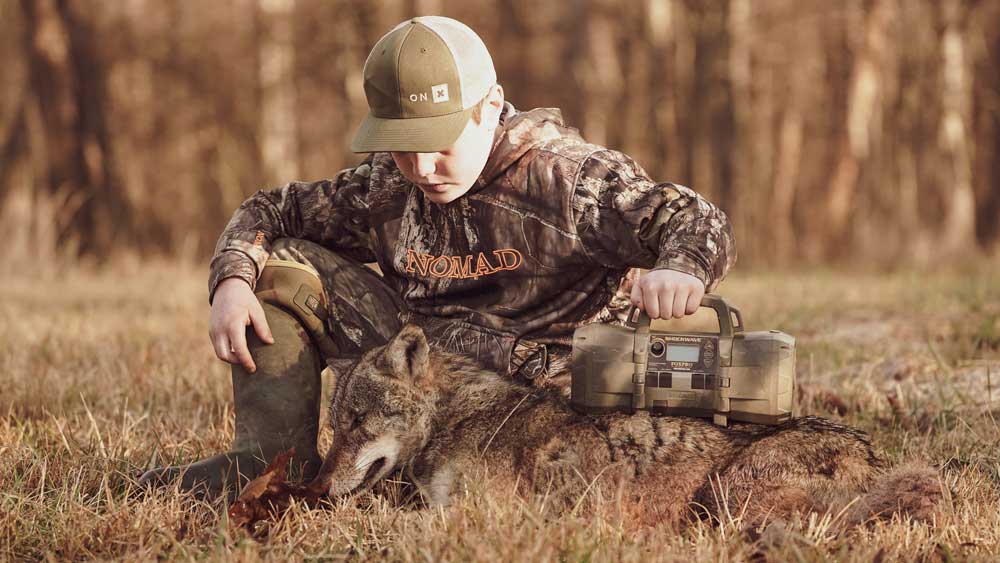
(421, 261)
(440, 266)
(461, 266)
(513, 255)
(483, 266)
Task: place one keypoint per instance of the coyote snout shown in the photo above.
(441, 415)
(371, 463)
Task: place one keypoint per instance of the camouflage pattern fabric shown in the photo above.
(537, 247)
(364, 312)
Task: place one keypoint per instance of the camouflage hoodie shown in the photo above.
(537, 247)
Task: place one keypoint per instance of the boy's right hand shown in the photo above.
(234, 308)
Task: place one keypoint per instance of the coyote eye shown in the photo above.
(357, 420)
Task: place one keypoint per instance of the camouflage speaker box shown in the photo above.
(729, 375)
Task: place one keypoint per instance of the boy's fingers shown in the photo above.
(667, 303)
(652, 302)
(238, 338)
(221, 346)
(259, 321)
(680, 304)
(693, 302)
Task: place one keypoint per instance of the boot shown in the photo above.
(277, 408)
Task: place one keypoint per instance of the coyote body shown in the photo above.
(442, 416)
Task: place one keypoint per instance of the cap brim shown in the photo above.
(413, 134)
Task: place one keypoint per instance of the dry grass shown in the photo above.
(104, 375)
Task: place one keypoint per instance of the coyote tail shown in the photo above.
(913, 490)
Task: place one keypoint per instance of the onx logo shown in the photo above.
(439, 93)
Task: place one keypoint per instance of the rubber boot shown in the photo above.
(277, 408)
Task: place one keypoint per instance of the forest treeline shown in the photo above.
(827, 129)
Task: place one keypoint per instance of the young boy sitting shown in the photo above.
(498, 231)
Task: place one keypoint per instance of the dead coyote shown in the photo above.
(440, 415)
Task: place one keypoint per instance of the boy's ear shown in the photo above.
(408, 352)
(494, 105)
(496, 96)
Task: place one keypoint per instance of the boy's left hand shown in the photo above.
(667, 293)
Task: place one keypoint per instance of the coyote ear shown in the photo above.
(340, 366)
(407, 353)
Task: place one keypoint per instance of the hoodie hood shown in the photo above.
(517, 133)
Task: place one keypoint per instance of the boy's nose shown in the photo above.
(426, 164)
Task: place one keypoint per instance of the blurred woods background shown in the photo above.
(829, 130)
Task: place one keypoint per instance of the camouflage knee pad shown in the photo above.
(296, 288)
(362, 311)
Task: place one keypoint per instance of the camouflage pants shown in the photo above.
(365, 312)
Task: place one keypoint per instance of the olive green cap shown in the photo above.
(422, 80)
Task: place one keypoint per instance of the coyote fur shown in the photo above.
(441, 416)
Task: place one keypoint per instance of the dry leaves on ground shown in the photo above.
(269, 495)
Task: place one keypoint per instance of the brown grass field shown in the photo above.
(105, 374)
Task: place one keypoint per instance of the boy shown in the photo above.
(497, 231)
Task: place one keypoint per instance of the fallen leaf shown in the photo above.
(269, 495)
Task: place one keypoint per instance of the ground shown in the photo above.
(106, 374)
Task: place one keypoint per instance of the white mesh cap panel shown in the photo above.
(475, 65)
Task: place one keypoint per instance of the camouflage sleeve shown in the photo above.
(625, 219)
(333, 213)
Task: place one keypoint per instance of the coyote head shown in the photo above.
(381, 414)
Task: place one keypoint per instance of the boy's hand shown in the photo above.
(234, 308)
(667, 293)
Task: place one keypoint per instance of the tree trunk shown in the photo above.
(278, 115)
(862, 127)
(959, 225)
(67, 78)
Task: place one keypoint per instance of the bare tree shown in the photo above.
(843, 130)
(67, 81)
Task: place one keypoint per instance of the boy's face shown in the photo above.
(446, 175)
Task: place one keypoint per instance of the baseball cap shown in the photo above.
(422, 80)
